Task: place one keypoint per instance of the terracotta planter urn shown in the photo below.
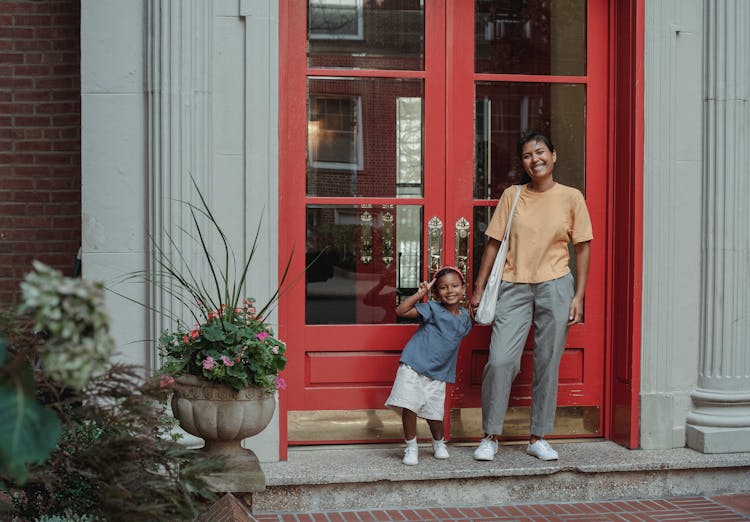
(222, 417)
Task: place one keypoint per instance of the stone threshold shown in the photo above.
(372, 476)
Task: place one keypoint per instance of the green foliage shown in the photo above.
(72, 314)
(67, 517)
(28, 431)
(81, 439)
(69, 341)
(233, 347)
(115, 460)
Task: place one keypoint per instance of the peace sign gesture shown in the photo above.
(424, 288)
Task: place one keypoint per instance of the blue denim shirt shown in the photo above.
(433, 349)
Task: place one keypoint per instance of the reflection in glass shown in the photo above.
(363, 260)
(466, 424)
(505, 110)
(482, 217)
(530, 37)
(364, 137)
(366, 34)
(408, 146)
(333, 132)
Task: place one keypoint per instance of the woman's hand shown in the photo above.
(575, 313)
(476, 297)
(583, 257)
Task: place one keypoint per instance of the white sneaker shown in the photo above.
(440, 449)
(411, 455)
(542, 450)
(486, 450)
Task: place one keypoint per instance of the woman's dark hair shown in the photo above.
(534, 136)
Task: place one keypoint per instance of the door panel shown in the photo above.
(412, 113)
(549, 77)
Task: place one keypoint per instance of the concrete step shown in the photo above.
(372, 477)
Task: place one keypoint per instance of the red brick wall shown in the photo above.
(40, 137)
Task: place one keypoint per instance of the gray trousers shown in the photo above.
(548, 304)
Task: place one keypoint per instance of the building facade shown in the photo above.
(376, 136)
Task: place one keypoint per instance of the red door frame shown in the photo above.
(625, 196)
(626, 52)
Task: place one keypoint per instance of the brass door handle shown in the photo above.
(365, 236)
(463, 231)
(435, 246)
(388, 236)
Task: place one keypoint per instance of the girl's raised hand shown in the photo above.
(424, 287)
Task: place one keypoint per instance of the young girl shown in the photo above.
(429, 359)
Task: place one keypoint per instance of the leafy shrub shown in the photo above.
(82, 438)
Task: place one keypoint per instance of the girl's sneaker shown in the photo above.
(411, 455)
(440, 449)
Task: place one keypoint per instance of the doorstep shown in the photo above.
(372, 476)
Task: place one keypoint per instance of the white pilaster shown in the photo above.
(671, 202)
(179, 48)
(720, 420)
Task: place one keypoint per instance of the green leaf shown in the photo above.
(3, 348)
(29, 432)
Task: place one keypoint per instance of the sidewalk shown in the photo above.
(682, 509)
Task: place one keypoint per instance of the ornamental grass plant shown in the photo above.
(230, 341)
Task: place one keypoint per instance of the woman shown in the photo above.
(536, 285)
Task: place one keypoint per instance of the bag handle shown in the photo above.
(512, 211)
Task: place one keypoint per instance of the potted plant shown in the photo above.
(224, 368)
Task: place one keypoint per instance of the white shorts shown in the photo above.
(418, 393)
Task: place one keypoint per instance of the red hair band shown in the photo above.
(449, 267)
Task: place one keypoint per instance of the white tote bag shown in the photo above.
(485, 313)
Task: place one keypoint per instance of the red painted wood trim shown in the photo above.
(292, 143)
(627, 34)
(364, 73)
(530, 78)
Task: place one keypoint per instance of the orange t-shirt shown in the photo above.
(543, 225)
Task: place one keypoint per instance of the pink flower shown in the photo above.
(280, 383)
(194, 333)
(261, 335)
(166, 381)
(185, 339)
(227, 361)
(208, 363)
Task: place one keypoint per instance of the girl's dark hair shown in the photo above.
(534, 136)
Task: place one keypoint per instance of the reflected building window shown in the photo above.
(335, 20)
(334, 140)
(409, 146)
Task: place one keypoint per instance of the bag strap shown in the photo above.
(512, 211)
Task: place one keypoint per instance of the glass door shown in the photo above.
(398, 132)
(542, 65)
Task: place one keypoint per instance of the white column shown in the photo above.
(720, 420)
(179, 44)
